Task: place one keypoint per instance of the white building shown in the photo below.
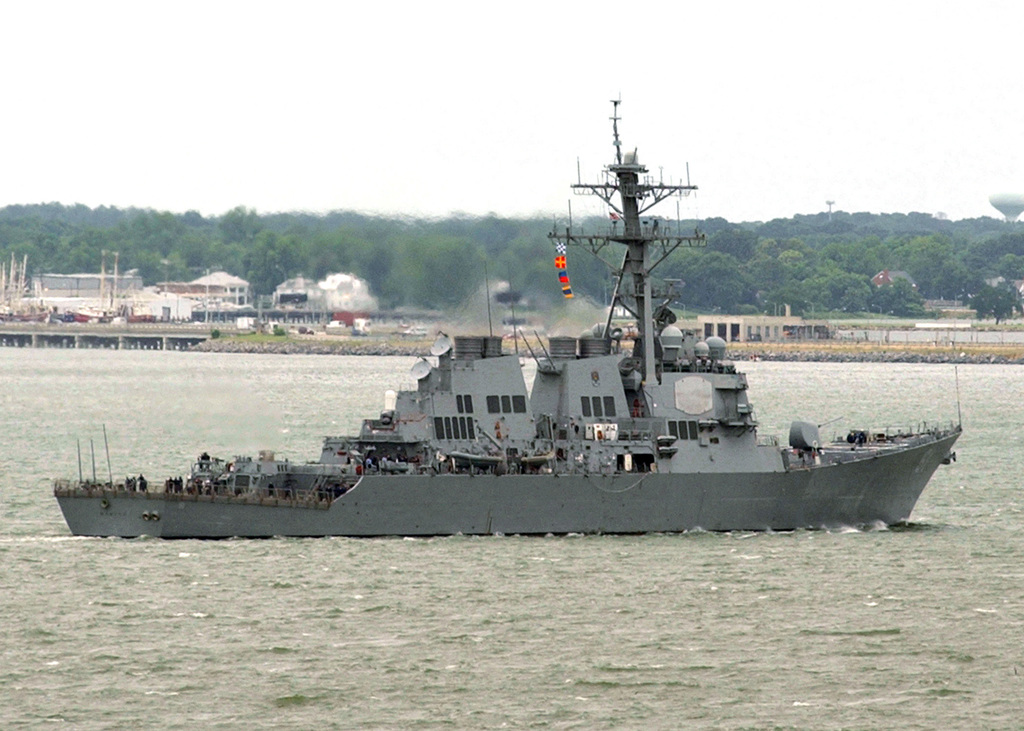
(163, 306)
(746, 328)
(223, 287)
(215, 291)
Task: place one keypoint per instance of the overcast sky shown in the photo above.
(442, 107)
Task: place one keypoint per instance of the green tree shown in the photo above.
(926, 258)
(899, 299)
(955, 280)
(983, 254)
(834, 289)
(438, 272)
(160, 233)
(792, 295)
(997, 302)
(736, 242)
(1011, 266)
(271, 261)
(712, 279)
(240, 225)
(765, 270)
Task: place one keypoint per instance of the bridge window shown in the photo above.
(596, 406)
(493, 405)
(506, 405)
(519, 404)
(438, 427)
(683, 429)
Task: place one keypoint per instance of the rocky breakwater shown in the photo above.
(809, 352)
(369, 346)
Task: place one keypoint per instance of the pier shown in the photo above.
(136, 336)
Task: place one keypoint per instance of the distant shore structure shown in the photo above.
(1011, 205)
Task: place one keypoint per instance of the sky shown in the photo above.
(431, 109)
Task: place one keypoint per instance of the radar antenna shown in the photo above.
(615, 130)
(629, 195)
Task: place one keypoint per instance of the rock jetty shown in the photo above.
(370, 346)
(890, 356)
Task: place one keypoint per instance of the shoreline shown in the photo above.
(364, 346)
(838, 351)
(808, 351)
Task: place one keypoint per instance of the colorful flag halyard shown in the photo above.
(613, 215)
(563, 275)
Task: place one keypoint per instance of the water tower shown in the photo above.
(1011, 205)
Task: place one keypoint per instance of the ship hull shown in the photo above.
(882, 489)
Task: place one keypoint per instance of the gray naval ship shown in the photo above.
(659, 435)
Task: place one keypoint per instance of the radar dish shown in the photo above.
(664, 316)
(442, 345)
(420, 369)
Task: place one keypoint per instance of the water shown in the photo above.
(919, 627)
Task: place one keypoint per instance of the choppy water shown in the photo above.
(919, 627)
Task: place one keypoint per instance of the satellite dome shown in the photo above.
(1011, 205)
(671, 336)
(717, 347)
(671, 343)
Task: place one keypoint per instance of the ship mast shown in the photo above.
(629, 195)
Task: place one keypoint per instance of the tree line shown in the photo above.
(816, 264)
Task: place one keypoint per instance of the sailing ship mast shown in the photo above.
(629, 196)
(113, 289)
(13, 283)
(103, 280)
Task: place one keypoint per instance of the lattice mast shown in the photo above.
(647, 242)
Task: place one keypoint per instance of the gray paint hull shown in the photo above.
(881, 489)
